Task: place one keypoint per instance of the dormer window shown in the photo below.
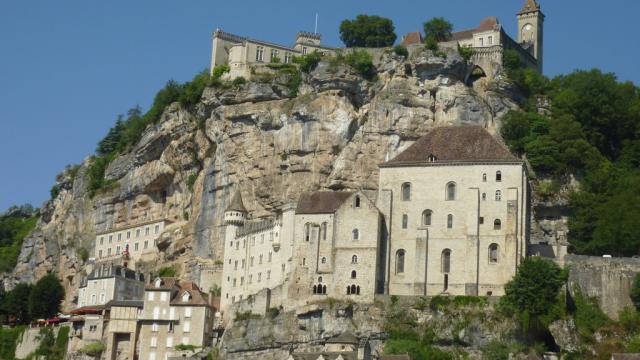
(186, 296)
(158, 282)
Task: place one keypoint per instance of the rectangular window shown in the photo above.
(137, 232)
(274, 55)
(157, 229)
(118, 250)
(151, 295)
(268, 274)
(99, 253)
(146, 244)
(163, 296)
(146, 231)
(187, 312)
(119, 237)
(490, 40)
(186, 327)
(259, 276)
(241, 280)
(481, 220)
(259, 53)
(237, 245)
(154, 327)
(109, 252)
(128, 234)
(110, 239)
(135, 246)
(304, 50)
(481, 42)
(287, 57)
(101, 240)
(170, 341)
(154, 341)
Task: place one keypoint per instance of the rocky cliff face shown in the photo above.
(331, 136)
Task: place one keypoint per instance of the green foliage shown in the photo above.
(496, 350)
(55, 191)
(629, 318)
(635, 291)
(239, 81)
(431, 43)
(192, 90)
(216, 290)
(405, 337)
(191, 180)
(167, 271)
(185, 347)
(438, 29)
(220, 70)
(466, 52)
(548, 188)
(52, 347)
(9, 338)
(533, 293)
(273, 312)
(367, 31)
(245, 316)
(362, 63)
(83, 254)
(308, 62)
(95, 174)
(401, 50)
(13, 230)
(587, 315)
(45, 297)
(15, 303)
(93, 349)
(415, 349)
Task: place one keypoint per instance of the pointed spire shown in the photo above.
(236, 203)
(529, 6)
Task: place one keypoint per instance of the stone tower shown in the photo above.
(234, 216)
(530, 29)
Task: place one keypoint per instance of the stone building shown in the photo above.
(243, 53)
(130, 243)
(174, 312)
(456, 207)
(345, 346)
(122, 332)
(109, 282)
(257, 252)
(336, 239)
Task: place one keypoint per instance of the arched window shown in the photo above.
(324, 231)
(484, 177)
(451, 191)
(426, 217)
(324, 289)
(400, 261)
(497, 224)
(493, 253)
(357, 201)
(354, 259)
(356, 234)
(353, 289)
(446, 261)
(324, 260)
(307, 232)
(320, 279)
(315, 289)
(498, 195)
(358, 290)
(353, 274)
(406, 192)
(498, 176)
(484, 196)
(405, 221)
(348, 290)
(449, 221)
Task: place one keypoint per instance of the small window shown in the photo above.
(481, 42)
(484, 196)
(354, 259)
(400, 261)
(357, 201)
(353, 274)
(490, 40)
(324, 231)
(493, 253)
(498, 176)
(432, 158)
(446, 261)
(259, 53)
(481, 220)
(484, 177)
(307, 232)
(324, 260)
(356, 234)
(405, 221)
(426, 217)
(497, 224)
(406, 192)
(451, 191)
(304, 50)
(449, 221)
(498, 195)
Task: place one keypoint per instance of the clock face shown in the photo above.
(528, 27)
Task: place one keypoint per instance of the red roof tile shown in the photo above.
(412, 38)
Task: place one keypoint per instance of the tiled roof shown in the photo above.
(344, 338)
(196, 297)
(454, 143)
(167, 284)
(322, 202)
(236, 203)
(488, 23)
(529, 6)
(412, 38)
(125, 303)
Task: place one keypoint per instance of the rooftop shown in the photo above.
(236, 203)
(488, 23)
(530, 6)
(454, 144)
(322, 202)
(412, 38)
(344, 338)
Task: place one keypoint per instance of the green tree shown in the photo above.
(16, 303)
(362, 62)
(438, 28)
(367, 31)
(167, 271)
(533, 292)
(635, 291)
(45, 297)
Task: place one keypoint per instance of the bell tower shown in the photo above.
(530, 29)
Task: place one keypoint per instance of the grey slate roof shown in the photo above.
(344, 338)
(236, 203)
(454, 143)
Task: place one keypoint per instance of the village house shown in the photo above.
(129, 244)
(345, 346)
(109, 282)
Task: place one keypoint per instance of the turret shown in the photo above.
(530, 29)
(236, 213)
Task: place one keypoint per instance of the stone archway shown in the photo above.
(474, 75)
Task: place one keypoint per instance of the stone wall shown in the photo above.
(607, 279)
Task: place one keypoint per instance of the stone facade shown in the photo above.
(135, 242)
(243, 54)
(455, 204)
(122, 332)
(175, 312)
(107, 283)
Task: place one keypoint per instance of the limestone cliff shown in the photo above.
(332, 135)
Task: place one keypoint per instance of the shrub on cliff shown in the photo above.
(13, 230)
(362, 62)
(367, 31)
(308, 62)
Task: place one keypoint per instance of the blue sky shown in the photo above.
(67, 68)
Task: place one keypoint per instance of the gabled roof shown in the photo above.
(344, 338)
(488, 23)
(197, 297)
(529, 6)
(454, 144)
(167, 283)
(236, 203)
(412, 38)
(322, 202)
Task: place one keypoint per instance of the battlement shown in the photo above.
(223, 35)
(309, 35)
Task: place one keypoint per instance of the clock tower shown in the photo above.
(530, 29)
